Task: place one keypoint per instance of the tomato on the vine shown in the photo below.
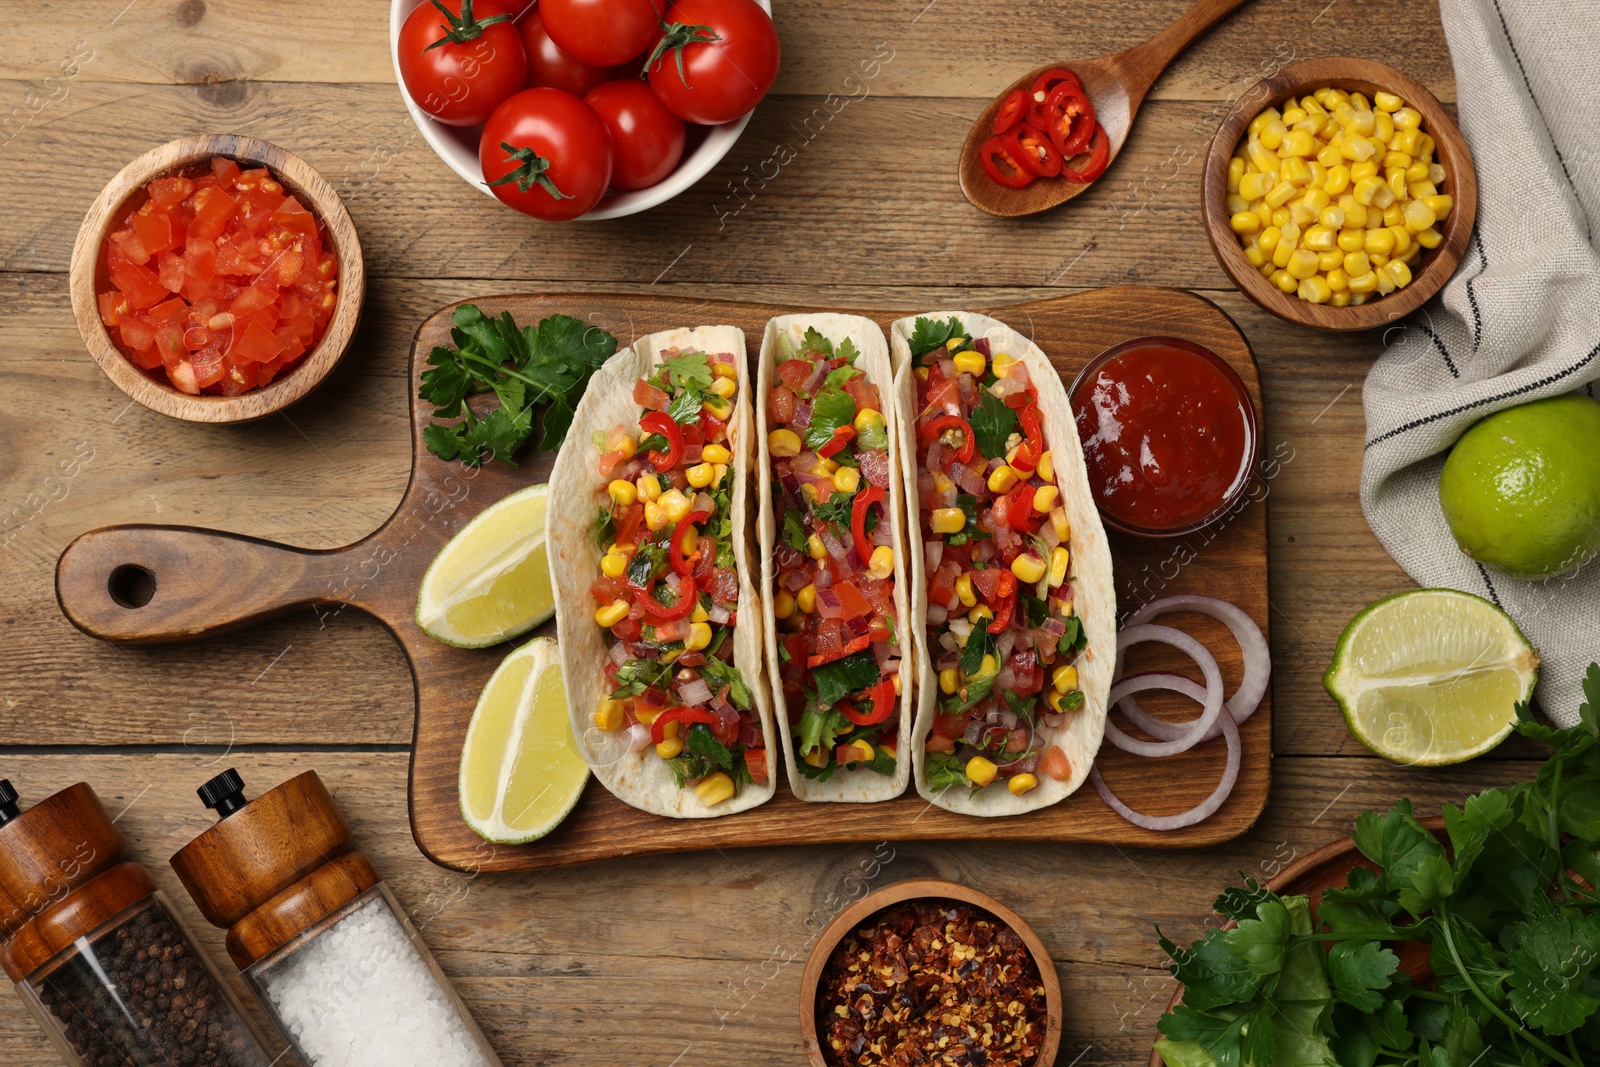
(547, 154)
(716, 61)
(460, 58)
(646, 138)
(549, 65)
(602, 32)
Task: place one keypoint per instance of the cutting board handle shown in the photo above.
(148, 584)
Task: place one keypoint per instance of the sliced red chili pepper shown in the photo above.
(1047, 81)
(1011, 110)
(684, 565)
(865, 498)
(847, 649)
(1002, 614)
(1070, 119)
(687, 595)
(881, 697)
(1099, 158)
(658, 729)
(660, 422)
(842, 435)
(1033, 445)
(1034, 150)
(955, 422)
(1019, 509)
(1039, 95)
(1001, 166)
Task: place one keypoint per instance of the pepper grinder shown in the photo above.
(318, 935)
(96, 951)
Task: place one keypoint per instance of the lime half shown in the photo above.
(1431, 677)
(490, 582)
(520, 768)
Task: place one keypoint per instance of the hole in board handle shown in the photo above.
(131, 585)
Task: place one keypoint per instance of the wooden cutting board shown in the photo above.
(206, 582)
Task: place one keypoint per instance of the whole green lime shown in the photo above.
(1521, 489)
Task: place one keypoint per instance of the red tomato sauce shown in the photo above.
(217, 279)
(1169, 435)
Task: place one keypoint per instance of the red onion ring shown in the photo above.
(1252, 644)
(1196, 730)
(1204, 810)
(1160, 728)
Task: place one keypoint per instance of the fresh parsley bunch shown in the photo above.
(531, 368)
(1509, 912)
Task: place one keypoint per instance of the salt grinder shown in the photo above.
(96, 951)
(319, 936)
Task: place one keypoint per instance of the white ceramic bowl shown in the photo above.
(458, 146)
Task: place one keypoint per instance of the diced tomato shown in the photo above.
(168, 192)
(109, 305)
(212, 210)
(1019, 513)
(879, 594)
(875, 467)
(208, 369)
(864, 393)
(605, 590)
(725, 587)
(253, 298)
(294, 218)
(795, 372)
(154, 230)
(847, 754)
(1016, 742)
(629, 520)
(951, 725)
(138, 283)
(140, 338)
(627, 630)
(942, 587)
(1054, 764)
(169, 272)
(167, 311)
(755, 761)
(714, 428)
(781, 403)
(937, 743)
(988, 582)
(224, 169)
(852, 603)
(942, 399)
(648, 396)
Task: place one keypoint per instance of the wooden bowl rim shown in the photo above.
(914, 889)
(1285, 880)
(1438, 264)
(315, 366)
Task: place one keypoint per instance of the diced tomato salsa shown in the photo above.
(217, 279)
(668, 591)
(1001, 628)
(828, 446)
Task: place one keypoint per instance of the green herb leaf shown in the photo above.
(832, 408)
(687, 370)
(1359, 969)
(727, 674)
(928, 334)
(705, 745)
(637, 675)
(794, 530)
(605, 528)
(992, 422)
(813, 341)
(945, 771)
(979, 645)
(837, 680)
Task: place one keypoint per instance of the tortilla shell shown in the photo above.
(859, 784)
(1094, 599)
(577, 490)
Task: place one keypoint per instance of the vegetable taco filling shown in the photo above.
(1002, 633)
(839, 656)
(668, 591)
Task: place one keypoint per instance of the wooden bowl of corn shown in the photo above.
(1339, 194)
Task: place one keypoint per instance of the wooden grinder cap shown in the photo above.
(62, 874)
(271, 867)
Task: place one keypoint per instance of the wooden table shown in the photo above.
(691, 959)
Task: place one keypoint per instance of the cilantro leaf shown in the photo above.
(847, 351)
(979, 645)
(992, 422)
(813, 341)
(945, 771)
(1553, 983)
(727, 674)
(832, 408)
(794, 530)
(928, 334)
(840, 375)
(605, 527)
(703, 743)
(971, 531)
(1359, 969)
(837, 680)
(637, 675)
(687, 370)
(685, 407)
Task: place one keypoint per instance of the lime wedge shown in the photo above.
(520, 768)
(490, 582)
(1430, 677)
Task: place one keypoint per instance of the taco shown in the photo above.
(648, 539)
(833, 560)
(1011, 571)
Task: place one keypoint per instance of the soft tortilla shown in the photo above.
(857, 785)
(642, 778)
(1094, 599)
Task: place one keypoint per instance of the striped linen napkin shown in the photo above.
(1519, 321)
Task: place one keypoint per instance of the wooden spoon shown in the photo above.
(1116, 86)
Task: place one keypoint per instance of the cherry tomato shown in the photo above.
(646, 138)
(716, 61)
(549, 65)
(460, 58)
(602, 33)
(547, 154)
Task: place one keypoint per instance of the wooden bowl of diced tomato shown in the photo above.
(217, 279)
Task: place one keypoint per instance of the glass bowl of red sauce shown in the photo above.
(1170, 435)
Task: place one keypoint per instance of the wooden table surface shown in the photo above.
(842, 193)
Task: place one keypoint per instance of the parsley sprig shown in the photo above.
(540, 369)
(1510, 911)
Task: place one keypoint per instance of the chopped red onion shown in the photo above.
(619, 653)
(1003, 646)
(882, 534)
(703, 502)
(795, 580)
(933, 552)
(974, 732)
(859, 625)
(719, 614)
(802, 417)
(880, 650)
(947, 370)
(828, 605)
(1010, 385)
(791, 485)
(1055, 626)
(947, 640)
(638, 737)
(1253, 645)
(875, 467)
(967, 387)
(1138, 634)
(937, 614)
(694, 692)
(1018, 372)
(935, 458)
(691, 453)
(948, 660)
(970, 480)
(819, 374)
(750, 736)
(981, 346)
(1205, 809)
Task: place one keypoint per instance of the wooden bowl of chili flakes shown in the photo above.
(915, 942)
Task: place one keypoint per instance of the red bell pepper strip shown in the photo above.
(999, 164)
(881, 697)
(865, 498)
(955, 422)
(687, 596)
(1003, 613)
(660, 422)
(842, 435)
(658, 729)
(849, 648)
(1011, 110)
(1099, 158)
(684, 565)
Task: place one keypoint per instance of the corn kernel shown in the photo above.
(1281, 194)
(608, 716)
(1440, 205)
(1021, 783)
(1285, 281)
(1064, 678)
(1357, 149)
(1329, 155)
(783, 604)
(1059, 558)
(1293, 114)
(1060, 523)
(947, 520)
(1000, 365)
(983, 613)
(862, 749)
(1402, 240)
(1280, 216)
(1379, 242)
(613, 564)
(1315, 289)
(717, 408)
(818, 757)
(970, 362)
(1316, 200)
(815, 548)
(1398, 273)
(1386, 101)
(980, 771)
(1245, 222)
(783, 443)
(1237, 203)
(1393, 160)
(868, 420)
(1383, 127)
(1364, 169)
(847, 480)
(1302, 264)
(1407, 118)
(898, 689)
(1255, 185)
(1262, 119)
(670, 747)
(713, 790)
(1409, 142)
(675, 504)
(1045, 498)
(1053, 702)
(1302, 215)
(1319, 239)
(1329, 260)
(1002, 479)
(1356, 263)
(881, 563)
(806, 599)
(1028, 568)
(948, 681)
(655, 516)
(1260, 155)
(1338, 281)
(1332, 217)
(1430, 238)
(964, 591)
(1296, 171)
(1340, 300)
(699, 636)
(723, 370)
(1352, 240)
(649, 487)
(1421, 190)
(612, 613)
(826, 467)
(1285, 247)
(1363, 283)
(1366, 190)
(1046, 470)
